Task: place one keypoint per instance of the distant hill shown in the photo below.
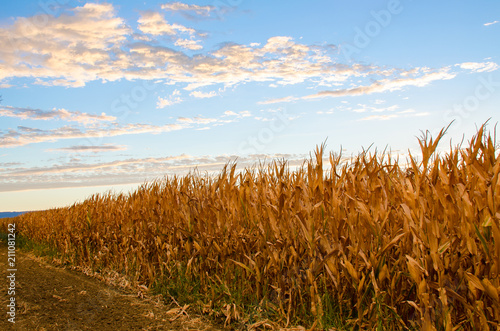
(11, 213)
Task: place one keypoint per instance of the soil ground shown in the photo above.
(49, 297)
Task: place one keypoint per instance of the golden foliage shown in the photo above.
(389, 246)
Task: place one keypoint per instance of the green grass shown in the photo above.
(186, 288)
(26, 244)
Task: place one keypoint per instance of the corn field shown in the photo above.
(365, 244)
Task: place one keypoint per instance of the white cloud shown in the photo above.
(91, 43)
(97, 131)
(26, 135)
(364, 108)
(491, 23)
(179, 6)
(230, 113)
(199, 94)
(90, 148)
(196, 120)
(77, 173)
(245, 113)
(278, 100)
(171, 100)
(62, 114)
(189, 44)
(241, 114)
(479, 66)
(163, 102)
(71, 49)
(154, 23)
(407, 111)
(388, 84)
(90, 167)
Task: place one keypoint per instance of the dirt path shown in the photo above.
(53, 298)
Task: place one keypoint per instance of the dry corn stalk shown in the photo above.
(416, 246)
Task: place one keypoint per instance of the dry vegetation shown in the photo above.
(366, 244)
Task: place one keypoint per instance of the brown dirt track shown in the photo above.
(49, 297)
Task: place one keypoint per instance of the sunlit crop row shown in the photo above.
(367, 244)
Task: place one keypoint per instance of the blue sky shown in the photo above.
(106, 95)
